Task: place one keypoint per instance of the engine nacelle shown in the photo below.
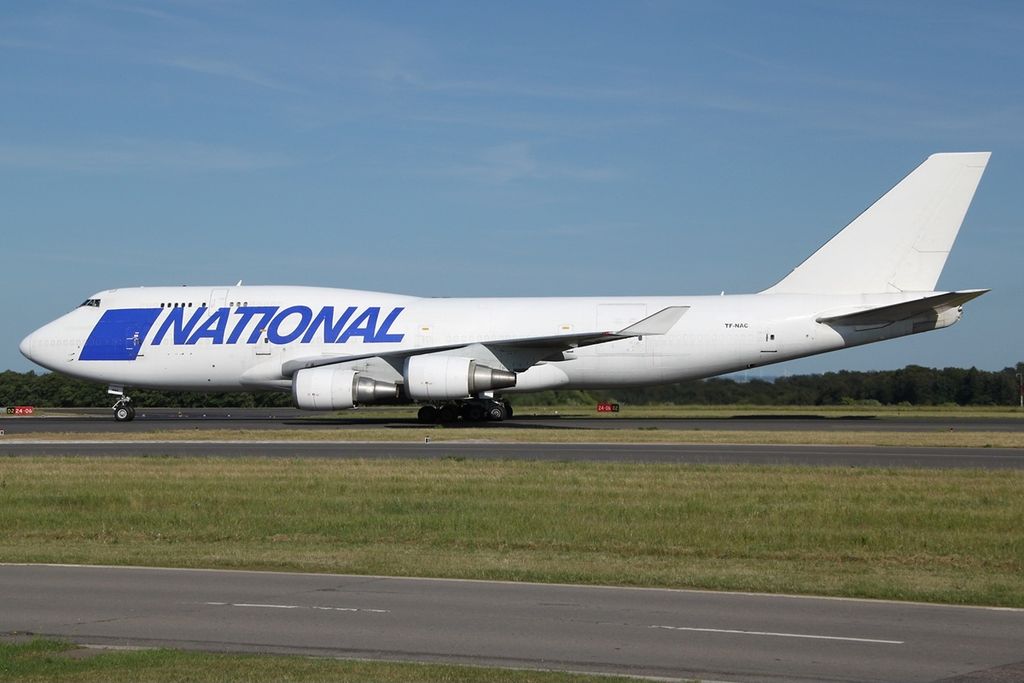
(331, 388)
(437, 378)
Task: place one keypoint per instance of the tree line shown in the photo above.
(912, 385)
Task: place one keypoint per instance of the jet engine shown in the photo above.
(437, 378)
(331, 388)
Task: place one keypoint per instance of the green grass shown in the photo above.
(49, 660)
(949, 536)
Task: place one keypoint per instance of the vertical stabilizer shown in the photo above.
(901, 242)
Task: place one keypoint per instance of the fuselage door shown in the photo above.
(218, 298)
(769, 343)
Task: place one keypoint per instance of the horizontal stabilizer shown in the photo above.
(902, 311)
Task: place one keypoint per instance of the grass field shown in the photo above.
(49, 660)
(932, 535)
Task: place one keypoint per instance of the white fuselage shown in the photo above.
(243, 338)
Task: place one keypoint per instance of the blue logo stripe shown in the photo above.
(119, 334)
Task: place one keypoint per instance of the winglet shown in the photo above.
(659, 323)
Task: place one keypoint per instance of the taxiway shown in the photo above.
(653, 632)
(832, 456)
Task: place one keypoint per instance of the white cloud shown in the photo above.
(222, 69)
(401, 76)
(125, 155)
(516, 161)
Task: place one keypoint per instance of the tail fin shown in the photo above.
(900, 243)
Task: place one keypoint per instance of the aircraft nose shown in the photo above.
(26, 346)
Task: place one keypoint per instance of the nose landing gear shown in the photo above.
(123, 410)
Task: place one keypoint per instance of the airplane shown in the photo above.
(460, 358)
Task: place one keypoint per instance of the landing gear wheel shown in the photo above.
(474, 412)
(448, 413)
(496, 412)
(124, 413)
(427, 415)
(508, 409)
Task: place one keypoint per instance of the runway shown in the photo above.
(653, 632)
(832, 456)
(398, 431)
(161, 419)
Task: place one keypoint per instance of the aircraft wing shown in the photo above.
(896, 312)
(656, 324)
(659, 323)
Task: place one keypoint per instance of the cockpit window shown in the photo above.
(95, 303)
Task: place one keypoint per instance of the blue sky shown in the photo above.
(481, 148)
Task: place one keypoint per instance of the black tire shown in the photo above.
(427, 415)
(448, 413)
(131, 413)
(123, 414)
(475, 413)
(508, 409)
(496, 412)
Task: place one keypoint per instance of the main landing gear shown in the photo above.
(473, 410)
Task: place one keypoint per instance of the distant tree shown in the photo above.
(913, 384)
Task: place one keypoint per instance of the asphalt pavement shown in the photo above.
(160, 419)
(652, 632)
(832, 456)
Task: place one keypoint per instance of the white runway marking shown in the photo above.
(778, 635)
(318, 607)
